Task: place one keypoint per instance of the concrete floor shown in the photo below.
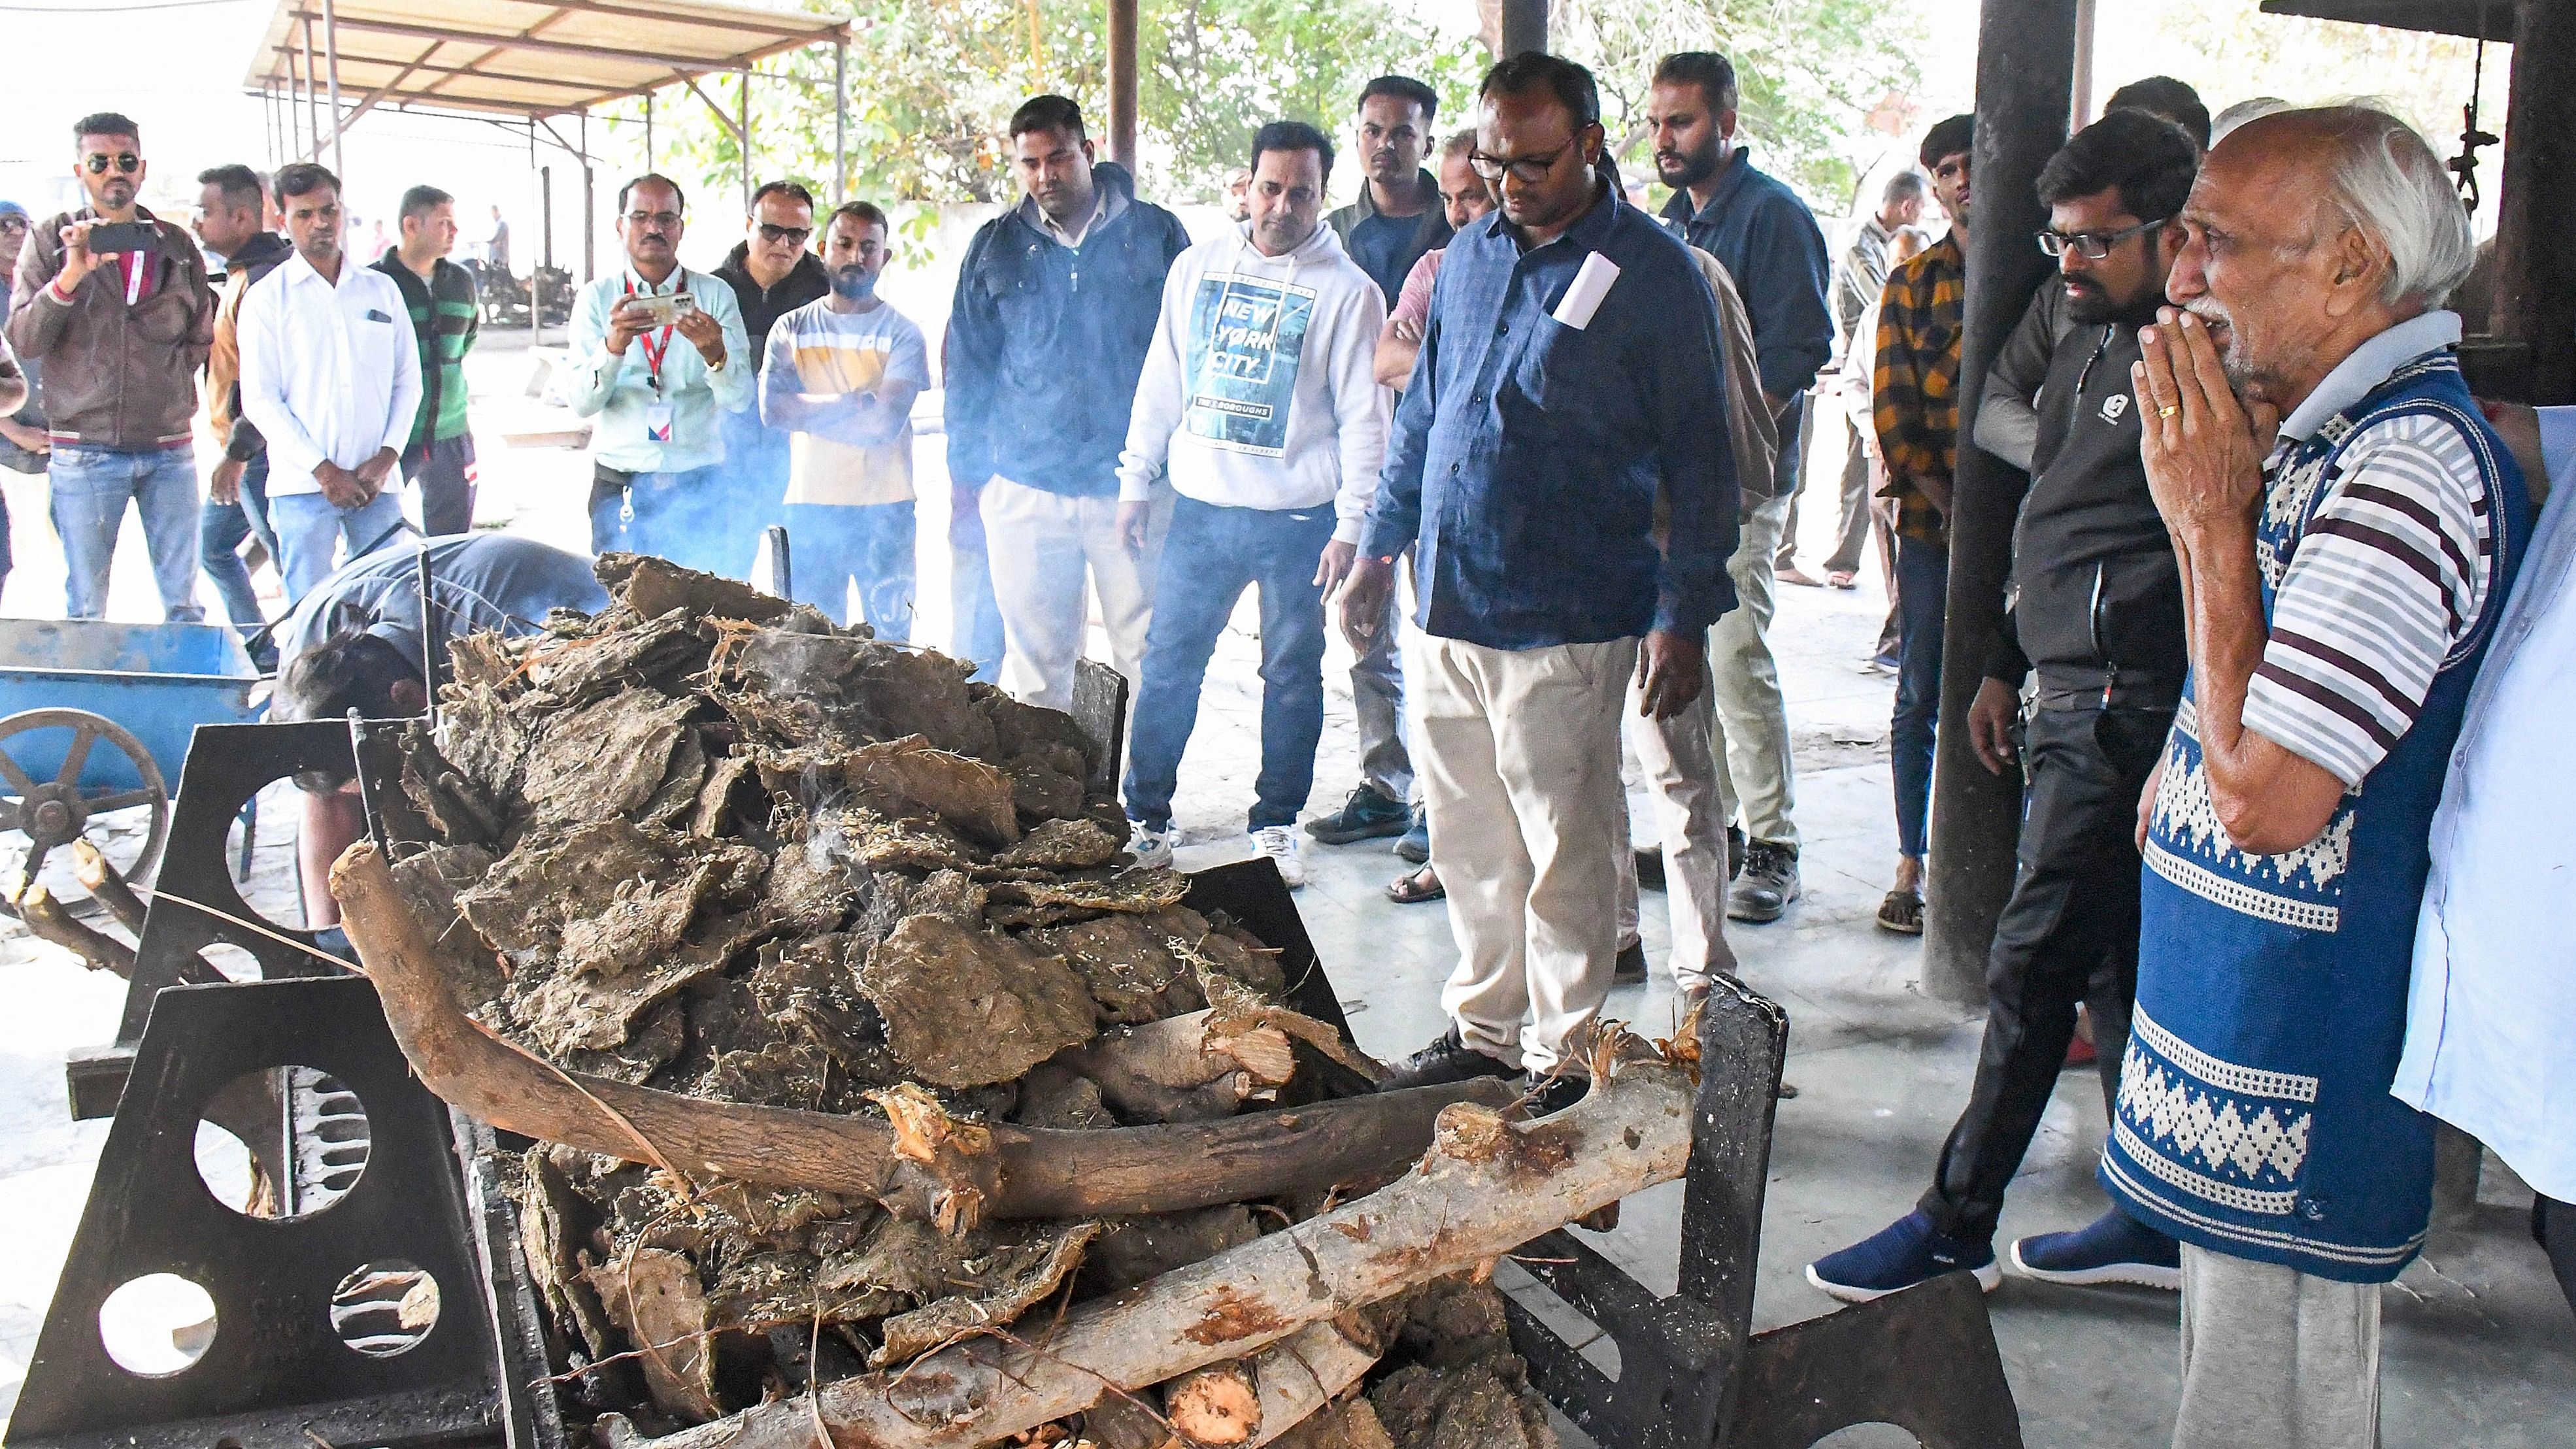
(2480, 1349)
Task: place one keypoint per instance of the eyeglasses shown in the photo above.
(792, 235)
(2093, 246)
(13, 223)
(653, 218)
(125, 161)
(1530, 170)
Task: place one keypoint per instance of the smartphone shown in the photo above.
(666, 307)
(124, 236)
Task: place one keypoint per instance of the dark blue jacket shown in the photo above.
(1530, 459)
(1772, 250)
(1045, 343)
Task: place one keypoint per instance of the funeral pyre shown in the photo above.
(877, 1095)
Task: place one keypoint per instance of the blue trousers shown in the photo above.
(89, 488)
(221, 527)
(1922, 596)
(310, 527)
(1210, 556)
(828, 545)
(684, 517)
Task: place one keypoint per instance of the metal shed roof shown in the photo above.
(520, 57)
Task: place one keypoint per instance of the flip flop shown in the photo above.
(1901, 912)
(1842, 579)
(1408, 890)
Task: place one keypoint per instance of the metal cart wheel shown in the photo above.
(52, 813)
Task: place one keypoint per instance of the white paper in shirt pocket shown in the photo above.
(1583, 298)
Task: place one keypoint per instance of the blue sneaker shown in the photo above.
(1900, 1255)
(2113, 1248)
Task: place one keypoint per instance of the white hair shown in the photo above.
(2241, 112)
(2389, 183)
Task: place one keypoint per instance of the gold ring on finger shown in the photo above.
(2168, 410)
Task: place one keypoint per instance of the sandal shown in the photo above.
(1409, 889)
(1901, 912)
(1842, 579)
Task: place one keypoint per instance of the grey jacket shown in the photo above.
(117, 377)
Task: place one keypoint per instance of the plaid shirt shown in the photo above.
(1914, 393)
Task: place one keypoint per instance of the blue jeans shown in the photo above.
(685, 517)
(974, 611)
(221, 527)
(90, 488)
(310, 529)
(1209, 557)
(830, 544)
(755, 477)
(1922, 596)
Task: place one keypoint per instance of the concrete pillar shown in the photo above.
(2025, 91)
(1524, 27)
(1122, 82)
(2535, 295)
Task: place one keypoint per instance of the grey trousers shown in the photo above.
(1377, 695)
(1754, 723)
(2275, 1357)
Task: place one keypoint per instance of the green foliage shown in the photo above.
(1810, 72)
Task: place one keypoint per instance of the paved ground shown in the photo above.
(2479, 1348)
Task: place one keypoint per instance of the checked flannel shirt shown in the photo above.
(1914, 390)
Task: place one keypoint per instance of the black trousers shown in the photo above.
(2553, 1226)
(2068, 935)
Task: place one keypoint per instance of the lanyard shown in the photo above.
(654, 347)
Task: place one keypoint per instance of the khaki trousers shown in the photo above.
(1678, 763)
(2275, 1357)
(1749, 707)
(1517, 751)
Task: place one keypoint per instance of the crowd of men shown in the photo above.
(2277, 702)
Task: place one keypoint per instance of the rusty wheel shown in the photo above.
(54, 811)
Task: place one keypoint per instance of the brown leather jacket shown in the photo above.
(115, 376)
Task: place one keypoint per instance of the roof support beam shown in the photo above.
(537, 44)
(782, 27)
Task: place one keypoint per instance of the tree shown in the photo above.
(1810, 71)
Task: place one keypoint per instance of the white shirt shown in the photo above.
(327, 372)
(2491, 1019)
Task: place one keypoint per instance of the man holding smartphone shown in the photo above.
(658, 356)
(113, 304)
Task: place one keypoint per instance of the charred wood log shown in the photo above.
(1487, 1186)
(919, 1164)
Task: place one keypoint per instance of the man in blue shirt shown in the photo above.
(1771, 247)
(1562, 469)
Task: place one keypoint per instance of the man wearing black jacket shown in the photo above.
(2094, 611)
(1055, 308)
(772, 271)
(232, 209)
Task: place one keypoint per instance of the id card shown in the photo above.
(657, 422)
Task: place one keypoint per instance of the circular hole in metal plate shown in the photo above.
(386, 1308)
(157, 1325)
(282, 1142)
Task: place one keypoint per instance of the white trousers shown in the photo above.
(1747, 680)
(1042, 546)
(1684, 776)
(1517, 751)
(2275, 1357)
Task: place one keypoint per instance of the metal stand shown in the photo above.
(1692, 1373)
(227, 767)
(285, 1368)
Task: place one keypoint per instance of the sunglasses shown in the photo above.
(664, 219)
(792, 235)
(13, 223)
(124, 161)
(2093, 246)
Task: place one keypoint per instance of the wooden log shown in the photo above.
(100, 878)
(1297, 1377)
(992, 1169)
(47, 920)
(1486, 1187)
(1189, 1068)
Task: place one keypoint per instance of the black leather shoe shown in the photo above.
(1448, 1059)
(1547, 1097)
(1768, 885)
(1630, 968)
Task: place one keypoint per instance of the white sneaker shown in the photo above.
(1279, 842)
(1151, 847)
